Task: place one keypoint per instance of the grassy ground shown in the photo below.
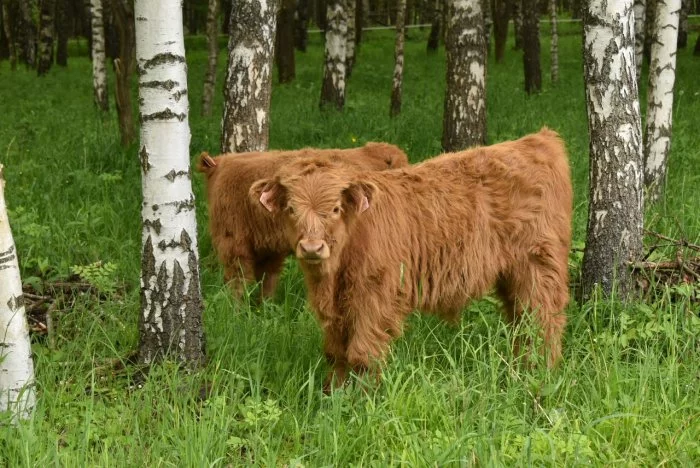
(627, 392)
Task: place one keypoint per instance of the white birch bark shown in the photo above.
(213, 48)
(171, 303)
(554, 46)
(350, 46)
(99, 75)
(640, 11)
(16, 368)
(464, 119)
(662, 75)
(398, 59)
(333, 87)
(248, 86)
(615, 211)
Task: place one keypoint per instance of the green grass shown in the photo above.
(627, 392)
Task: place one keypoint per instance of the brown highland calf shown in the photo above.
(373, 246)
(251, 244)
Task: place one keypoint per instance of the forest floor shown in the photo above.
(627, 392)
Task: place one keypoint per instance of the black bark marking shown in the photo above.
(167, 84)
(160, 59)
(15, 302)
(167, 114)
(153, 224)
(145, 165)
(172, 175)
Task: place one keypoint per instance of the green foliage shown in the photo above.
(101, 275)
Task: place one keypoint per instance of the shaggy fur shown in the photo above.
(249, 243)
(375, 246)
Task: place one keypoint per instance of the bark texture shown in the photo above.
(171, 300)
(398, 59)
(301, 25)
(683, 25)
(517, 9)
(615, 211)
(554, 46)
(350, 44)
(488, 22)
(248, 86)
(531, 47)
(501, 16)
(464, 119)
(46, 33)
(16, 368)
(436, 27)
(640, 7)
(63, 30)
(7, 31)
(124, 66)
(662, 76)
(333, 87)
(284, 46)
(29, 33)
(99, 74)
(213, 51)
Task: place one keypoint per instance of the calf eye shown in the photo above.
(290, 209)
(336, 210)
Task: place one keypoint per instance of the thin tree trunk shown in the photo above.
(517, 9)
(350, 45)
(649, 18)
(7, 30)
(361, 11)
(248, 83)
(171, 299)
(16, 368)
(284, 46)
(333, 88)
(46, 32)
(301, 25)
(99, 75)
(662, 75)
(213, 48)
(436, 27)
(322, 16)
(464, 119)
(488, 22)
(683, 25)
(640, 7)
(398, 59)
(616, 206)
(554, 46)
(696, 50)
(63, 19)
(29, 33)
(124, 68)
(501, 15)
(531, 47)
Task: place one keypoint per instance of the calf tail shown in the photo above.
(206, 163)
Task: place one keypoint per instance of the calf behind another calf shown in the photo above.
(373, 246)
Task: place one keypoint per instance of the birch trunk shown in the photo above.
(62, 22)
(554, 46)
(171, 301)
(662, 75)
(640, 8)
(398, 59)
(464, 120)
(248, 86)
(28, 32)
(350, 45)
(333, 87)
(531, 47)
(649, 18)
(213, 48)
(615, 211)
(436, 27)
(683, 25)
(517, 9)
(488, 22)
(301, 25)
(7, 31)
(284, 42)
(16, 368)
(99, 75)
(46, 31)
(501, 15)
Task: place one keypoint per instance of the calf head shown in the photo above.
(319, 204)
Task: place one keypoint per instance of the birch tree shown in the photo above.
(16, 368)
(436, 26)
(683, 24)
(301, 24)
(615, 210)
(213, 49)
(464, 119)
(350, 46)
(333, 87)
(7, 31)
(62, 26)
(662, 75)
(517, 11)
(501, 16)
(171, 301)
(284, 42)
(29, 33)
(554, 45)
(99, 75)
(248, 85)
(46, 33)
(640, 8)
(398, 59)
(531, 47)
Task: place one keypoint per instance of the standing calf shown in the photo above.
(251, 245)
(373, 246)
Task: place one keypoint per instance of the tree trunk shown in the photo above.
(350, 44)
(662, 75)
(248, 85)
(531, 47)
(16, 368)
(321, 16)
(361, 10)
(301, 24)
(63, 30)
(46, 32)
(501, 16)
(171, 299)
(683, 25)
(284, 42)
(554, 47)
(398, 59)
(616, 206)
(464, 119)
(7, 31)
(124, 68)
(517, 9)
(213, 48)
(488, 21)
(649, 18)
(696, 50)
(29, 33)
(640, 7)
(436, 27)
(99, 75)
(333, 87)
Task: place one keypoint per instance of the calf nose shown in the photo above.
(311, 248)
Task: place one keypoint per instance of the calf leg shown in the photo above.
(268, 270)
(238, 273)
(334, 348)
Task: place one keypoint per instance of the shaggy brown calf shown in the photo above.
(374, 246)
(250, 244)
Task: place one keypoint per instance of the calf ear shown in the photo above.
(360, 196)
(269, 193)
